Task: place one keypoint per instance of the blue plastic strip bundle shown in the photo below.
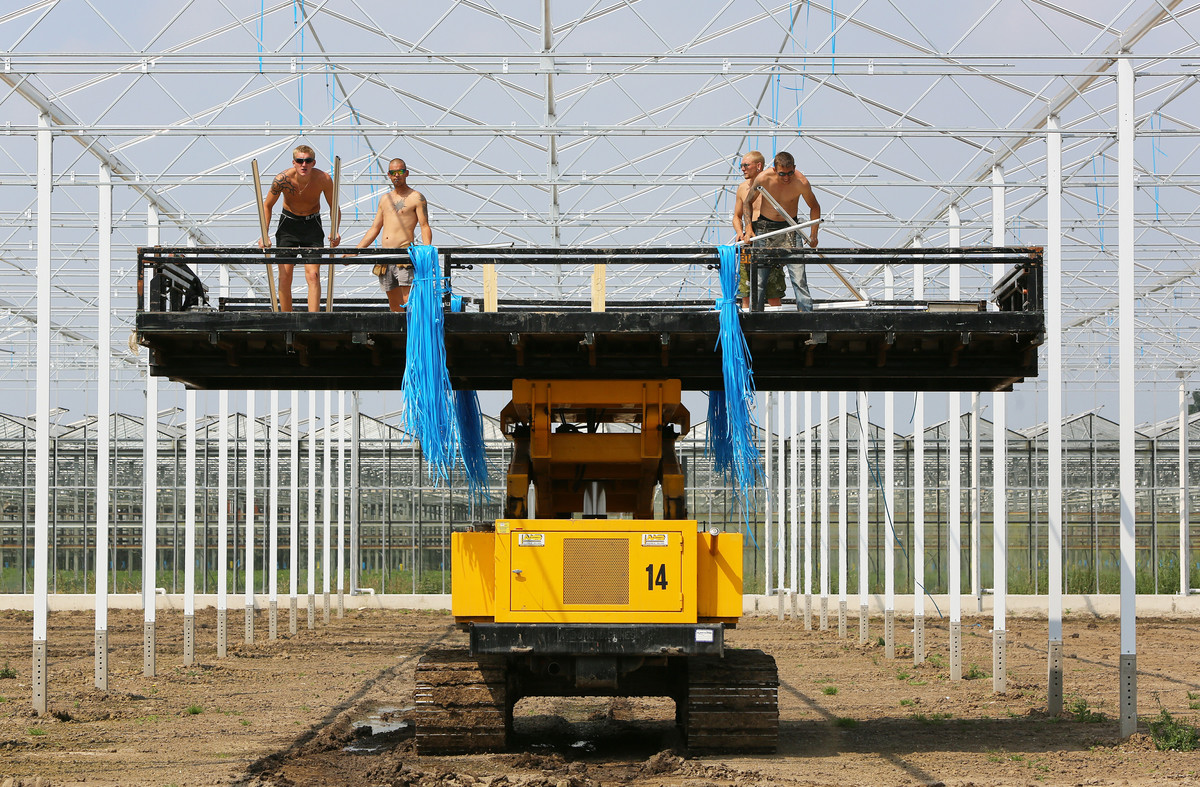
(428, 397)
(470, 433)
(716, 443)
(739, 384)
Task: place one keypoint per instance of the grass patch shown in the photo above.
(245, 722)
(974, 673)
(937, 660)
(7, 672)
(194, 710)
(902, 675)
(880, 641)
(829, 691)
(1169, 733)
(907, 703)
(37, 731)
(1081, 711)
(845, 723)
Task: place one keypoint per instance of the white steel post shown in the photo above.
(954, 463)
(103, 421)
(917, 497)
(808, 508)
(1054, 490)
(1000, 471)
(781, 516)
(976, 503)
(768, 557)
(793, 508)
(825, 503)
(150, 496)
(189, 528)
(312, 508)
(1185, 535)
(355, 439)
(843, 514)
(864, 471)
(326, 513)
(223, 503)
(341, 490)
(294, 515)
(273, 521)
(251, 495)
(1126, 336)
(889, 501)
(41, 472)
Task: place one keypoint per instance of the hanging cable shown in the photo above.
(469, 418)
(428, 396)
(739, 386)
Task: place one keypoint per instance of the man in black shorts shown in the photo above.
(300, 221)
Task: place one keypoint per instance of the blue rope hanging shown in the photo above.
(739, 384)
(716, 442)
(428, 398)
(469, 417)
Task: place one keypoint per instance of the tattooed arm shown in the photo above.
(281, 185)
(423, 220)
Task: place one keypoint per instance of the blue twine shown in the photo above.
(470, 432)
(739, 385)
(716, 442)
(429, 412)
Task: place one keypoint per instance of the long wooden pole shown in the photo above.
(266, 232)
(335, 216)
(792, 222)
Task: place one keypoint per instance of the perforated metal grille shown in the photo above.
(595, 571)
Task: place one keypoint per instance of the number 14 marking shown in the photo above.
(660, 580)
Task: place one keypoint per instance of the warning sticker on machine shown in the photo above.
(531, 539)
(654, 539)
(704, 635)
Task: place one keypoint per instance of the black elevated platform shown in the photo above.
(987, 344)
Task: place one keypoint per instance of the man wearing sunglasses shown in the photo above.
(787, 186)
(400, 211)
(301, 187)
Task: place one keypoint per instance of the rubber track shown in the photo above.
(732, 703)
(461, 703)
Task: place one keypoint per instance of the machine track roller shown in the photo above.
(461, 703)
(732, 703)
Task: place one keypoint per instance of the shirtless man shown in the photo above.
(300, 223)
(400, 210)
(787, 186)
(745, 212)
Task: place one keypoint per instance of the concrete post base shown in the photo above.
(273, 620)
(863, 625)
(341, 604)
(293, 616)
(39, 677)
(312, 611)
(148, 666)
(326, 609)
(889, 633)
(793, 603)
(918, 639)
(102, 660)
(249, 633)
(841, 619)
(824, 613)
(222, 633)
(1054, 678)
(999, 669)
(189, 640)
(1128, 694)
(808, 611)
(956, 650)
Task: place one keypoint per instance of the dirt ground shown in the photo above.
(331, 706)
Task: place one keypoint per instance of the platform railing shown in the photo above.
(175, 282)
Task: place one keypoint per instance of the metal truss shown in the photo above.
(606, 122)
